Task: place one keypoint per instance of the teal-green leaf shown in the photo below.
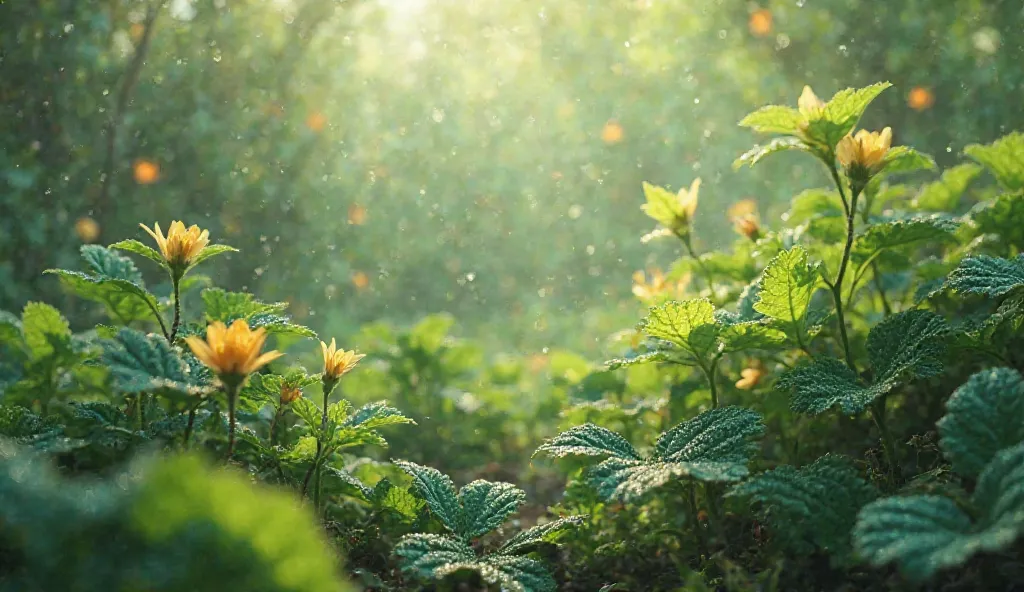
(589, 440)
(486, 505)
(758, 152)
(689, 325)
(1004, 158)
(40, 323)
(785, 292)
(714, 444)
(134, 246)
(125, 300)
(527, 540)
(141, 363)
(210, 251)
(774, 119)
(629, 480)
(983, 416)
(438, 491)
(813, 507)
(999, 496)
(989, 276)
(423, 554)
(521, 574)
(1002, 217)
(822, 383)
(907, 345)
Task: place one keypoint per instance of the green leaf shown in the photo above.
(526, 541)
(893, 234)
(134, 246)
(520, 574)
(813, 507)
(423, 554)
(1003, 217)
(125, 299)
(225, 306)
(714, 446)
(841, 114)
(397, 500)
(1004, 158)
(690, 325)
(758, 152)
(774, 119)
(589, 440)
(278, 324)
(752, 335)
(439, 493)
(629, 480)
(10, 329)
(989, 276)
(907, 345)
(785, 292)
(486, 506)
(924, 534)
(376, 415)
(823, 383)
(662, 205)
(904, 159)
(41, 323)
(210, 251)
(638, 359)
(944, 195)
(812, 204)
(984, 416)
(141, 363)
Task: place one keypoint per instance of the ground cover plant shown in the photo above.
(833, 403)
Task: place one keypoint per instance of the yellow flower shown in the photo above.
(688, 202)
(809, 104)
(290, 394)
(864, 151)
(750, 378)
(181, 245)
(338, 361)
(232, 352)
(748, 226)
(659, 288)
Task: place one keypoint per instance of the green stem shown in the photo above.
(877, 280)
(888, 444)
(709, 373)
(688, 243)
(273, 424)
(837, 287)
(191, 424)
(160, 319)
(328, 385)
(175, 282)
(232, 396)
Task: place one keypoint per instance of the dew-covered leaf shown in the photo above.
(893, 234)
(989, 276)
(423, 554)
(983, 416)
(813, 507)
(439, 493)
(907, 345)
(758, 152)
(716, 437)
(785, 292)
(376, 415)
(486, 505)
(588, 440)
(822, 383)
(527, 540)
(689, 325)
(141, 363)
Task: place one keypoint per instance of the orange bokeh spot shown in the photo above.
(356, 215)
(612, 133)
(87, 229)
(360, 280)
(316, 121)
(761, 22)
(920, 98)
(744, 207)
(136, 31)
(146, 171)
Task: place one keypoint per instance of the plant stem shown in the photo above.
(175, 282)
(688, 243)
(702, 547)
(232, 396)
(837, 287)
(709, 373)
(888, 445)
(877, 280)
(191, 423)
(328, 385)
(273, 424)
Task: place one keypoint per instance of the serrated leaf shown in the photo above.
(629, 480)
(813, 507)
(1003, 216)
(812, 204)
(638, 360)
(903, 346)
(125, 301)
(988, 276)
(1004, 158)
(898, 233)
(106, 263)
(926, 533)
(589, 440)
(279, 324)
(210, 251)
(40, 323)
(141, 363)
(526, 540)
(904, 159)
(134, 246)
(486, 505)
(521, 574)
(10, 329)
(752, 335)
(225, 306)
(714, 439)
(662, 205)
(690, 325)
(439, 493)
(758, 153)
(983, 416)
(375, 415)
(395, 499)
(774, 119)
(841, 114)
(944, 195)
(424, 554)
(785, 291)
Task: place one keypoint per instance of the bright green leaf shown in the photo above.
(690, 325)
(774, 119)
(785, 292)
(758, 153)
(39, 324)
(589, 440)
(1004, 158)
(134, 246)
